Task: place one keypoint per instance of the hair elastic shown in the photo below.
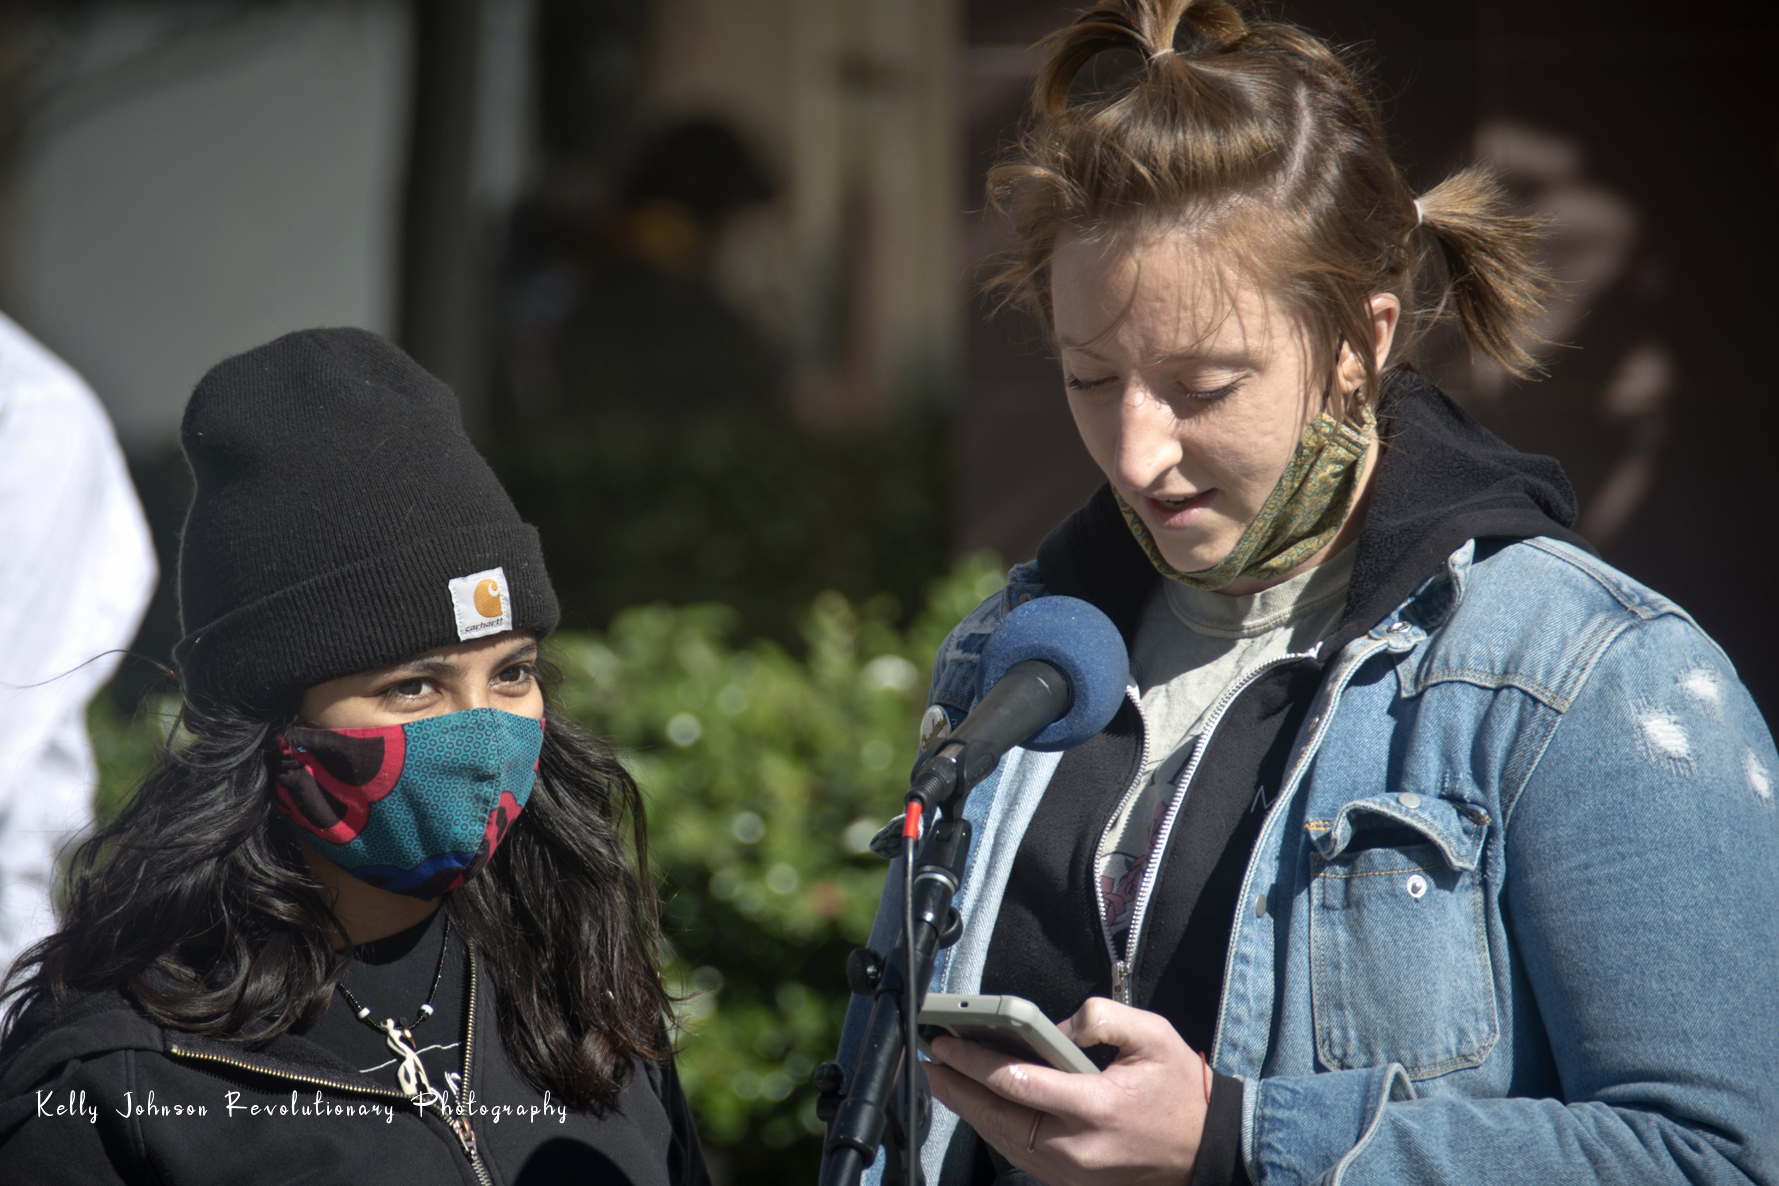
(1160, 54)
(1420, 212)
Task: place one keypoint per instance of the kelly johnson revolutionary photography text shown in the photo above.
(74, 1106)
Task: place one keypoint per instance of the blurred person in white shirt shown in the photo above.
(77, 568)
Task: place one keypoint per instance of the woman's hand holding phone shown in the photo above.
(1139, 1121)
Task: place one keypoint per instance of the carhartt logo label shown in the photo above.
(488, 598)
(482, 604)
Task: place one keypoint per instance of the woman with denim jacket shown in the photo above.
(1428, 847)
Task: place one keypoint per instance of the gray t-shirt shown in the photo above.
(1191, 645)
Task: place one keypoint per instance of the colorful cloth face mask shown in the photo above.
(417, 808)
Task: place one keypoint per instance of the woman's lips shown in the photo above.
(1175, 514)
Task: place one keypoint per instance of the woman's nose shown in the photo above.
(1148, 445)
(469, 693)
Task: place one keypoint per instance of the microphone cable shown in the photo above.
(910, 1001)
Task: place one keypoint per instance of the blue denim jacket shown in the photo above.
(1514, 916)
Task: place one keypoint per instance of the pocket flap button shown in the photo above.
(1417, 885)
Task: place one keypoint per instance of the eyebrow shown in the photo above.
(448, 667)
(1227, 358)
(525, 650)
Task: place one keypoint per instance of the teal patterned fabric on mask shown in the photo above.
(417, 808)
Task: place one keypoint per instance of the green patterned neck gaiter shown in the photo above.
(1304, 511)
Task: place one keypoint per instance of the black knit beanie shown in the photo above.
(342, 522)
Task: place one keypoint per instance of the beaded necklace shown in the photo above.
(399, 1033)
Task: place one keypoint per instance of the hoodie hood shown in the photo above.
(1442, 479)
(87, 1025)
(51, 1033)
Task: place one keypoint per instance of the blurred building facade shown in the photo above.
(189, 181)
(191, 178)
(856, 267)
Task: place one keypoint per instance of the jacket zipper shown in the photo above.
(1123, 970)
(262, 1069)
(1119, 990)
(459, 1125)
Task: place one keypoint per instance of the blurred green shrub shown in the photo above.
(766, 776)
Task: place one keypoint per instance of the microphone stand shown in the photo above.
(859, 1120)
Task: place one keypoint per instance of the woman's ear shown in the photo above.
(1385, 312)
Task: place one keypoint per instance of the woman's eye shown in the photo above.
(518, 673)
(1077, 384)
(1211, 395)
(408, 689)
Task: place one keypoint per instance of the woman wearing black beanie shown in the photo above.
(254, 980)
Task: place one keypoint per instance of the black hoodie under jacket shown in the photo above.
(1443, 479)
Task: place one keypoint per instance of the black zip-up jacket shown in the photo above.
(1443, 479)
(91, 1091)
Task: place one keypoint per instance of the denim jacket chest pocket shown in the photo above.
(1400, 968)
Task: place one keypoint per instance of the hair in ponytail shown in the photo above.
(1256, 138)
(1494, 284)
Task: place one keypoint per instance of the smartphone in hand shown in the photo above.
(1011, 1025)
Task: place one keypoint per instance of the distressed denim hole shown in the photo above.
(1703, 686)
(1760, 780)
(1662, 738)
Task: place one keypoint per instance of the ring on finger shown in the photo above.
(1031, 1141)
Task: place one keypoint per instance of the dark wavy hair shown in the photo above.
(193, 901)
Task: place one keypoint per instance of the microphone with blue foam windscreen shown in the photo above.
(1078, 640)
(1051, 676)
